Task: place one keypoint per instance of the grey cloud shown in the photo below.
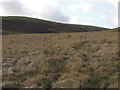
(50, 12)
(13, 8)
(54, 14)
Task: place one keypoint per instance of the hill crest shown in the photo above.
(33, 25)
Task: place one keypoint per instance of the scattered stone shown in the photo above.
(106, 45)
(11, 70)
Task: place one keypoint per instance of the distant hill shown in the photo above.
(17, 24)
(117, 29)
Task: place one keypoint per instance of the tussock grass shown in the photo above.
(61, 60)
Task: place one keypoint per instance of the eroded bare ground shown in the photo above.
(66, 60)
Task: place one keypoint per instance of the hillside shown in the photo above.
(60, 60)
(15, 24)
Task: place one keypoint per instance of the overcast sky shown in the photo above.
(102, 13)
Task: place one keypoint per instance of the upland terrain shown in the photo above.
(60, 60)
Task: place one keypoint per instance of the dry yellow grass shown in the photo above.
(61, 60)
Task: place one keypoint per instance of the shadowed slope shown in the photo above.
(32, 25)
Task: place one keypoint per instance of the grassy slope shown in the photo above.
(61, 60)
(3, 32)
(32, 25)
